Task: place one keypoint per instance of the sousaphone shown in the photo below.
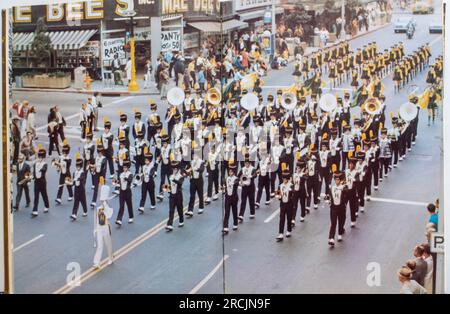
(288, 101)
(176, 96)
(327, 102)
(408, 111)
(372, 106)
(249, 102)
(213, 96)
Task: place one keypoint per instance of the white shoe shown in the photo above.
(376, 188)
(235, 227)
(189, 213)
(152, 207)
(215, 197)
(112, 176)
(241, 218)
(352, 224)
(169, 228)
(256, 205)
(84, 214)
(92, 187)
(252, 216)
(208, 200)
(409, 149)
(386, 175)
(141, 210)
(180, 224)
(288, 234)
(58, 201)
(110, 261)
(93, 204)
(302, 219)
(267, 202)
(118, 222)
(200, 211)
(316, 206)
(368, 198)
(381, 180)
(356, 214)
(96, 266)
(73, 217)
(130, 221)
(331, 242)
(361, 209)
(279, 237)
(45, 210)
(34, 214)
(225, 230)
(70, 199)
(395, 166)
(339, 238)
(401, 158)
(414, 143)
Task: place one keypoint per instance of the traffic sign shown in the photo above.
(437, 243)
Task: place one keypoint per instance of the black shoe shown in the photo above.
(28, 205)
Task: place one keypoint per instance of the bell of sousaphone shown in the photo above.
(213, 96)
(327, 102)
(249, 102)
(288, 101)
(175, 96)
(372, 106)
(408, 111)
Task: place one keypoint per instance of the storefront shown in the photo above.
(254, 11)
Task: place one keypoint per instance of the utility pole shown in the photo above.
(343, 34)
(274, 30)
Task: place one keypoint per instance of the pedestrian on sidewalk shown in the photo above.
(409, 286)
(31, 124)
(164, 81)
(428, 258)
(128, 70)
(421, 265)
(15, 134)
(61, 123)
(148, 74)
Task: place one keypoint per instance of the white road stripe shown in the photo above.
(75, 115)
(72, 136)
(403, 202)
(272, 216)
(28, 243)
(209, 276)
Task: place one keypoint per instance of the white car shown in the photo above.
(401, 24)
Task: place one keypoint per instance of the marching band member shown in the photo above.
(212, 167)
(277, 154)
(374, 162)
(98, 170)
(337, 207)
(124, 182)
(140, 145)
(149, 170)
(63, 167)
(361, 169)
(231, 198)
(348, 145)
(176, 195)
(102, 227)
(351, 175)
(107, 143)
(124, 130)
(40, 182)
(263, 172)
(23, 173)
(247, 182)
(300, 194)
(394, 134)
(325, 159)
(195, 172)
(312, 182)
(79, 181)
(152, 120)
(138, 125)
(285, 195)
(385, 154)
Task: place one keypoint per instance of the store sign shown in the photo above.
(190, 7)
(111, 47)
(251, 4)
(91, 49)
(191, 40)
(171, 40)
(90, 10)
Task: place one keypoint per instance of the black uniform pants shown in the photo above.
(360, 188)
(125, 198)
(368, 182)
(196, 187)
(213, 179)
(110, 161)
(325, 177)
(312, 184)
(395, 151)
(273, 177)
(53, 138)
(299, 197)
(20, 189)
(80, 197)
(231, 204)
(247, 193)
(375, 169)
(384, 166)
(353, 203)
(62, 178)
(165, 173)
(40, 187)
(337, 217)
(95, 183)
(263, 183)
(285, 217)
(175, 202)
(148, 187)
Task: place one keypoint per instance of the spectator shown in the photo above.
(338, 27)
(409, 286)
(324, 35)
(434, 218)
(421, 265)
(128, 70)
(31, 124)
(164, 80)
(411, 264)
(148, 74)
(15, 134)
(27, 146)
(201, 79)
(360, 21)
(429, 260)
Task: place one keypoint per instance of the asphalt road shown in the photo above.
(197, 259)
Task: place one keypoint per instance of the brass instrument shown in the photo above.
(68, 181)
(288, 101)
(138, 178)
(327, 102)
(56, 164)
(278, 194)
(166, 187)
(27, 178)
(372, 106)
(176, 96)
(213, 96)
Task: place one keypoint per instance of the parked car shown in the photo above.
(422, 7)
(401, 24)
(435, 28)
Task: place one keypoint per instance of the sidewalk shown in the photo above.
(100, 88)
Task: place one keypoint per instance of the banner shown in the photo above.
(111, 47)
(171, 40)
(191, 40)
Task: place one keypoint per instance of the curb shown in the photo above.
(126, 93)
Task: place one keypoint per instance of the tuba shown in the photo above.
(327, 102)
(288, 101)
(408, 112)
(249, 102)
(372, 106)
(213, 96)
(176, 96)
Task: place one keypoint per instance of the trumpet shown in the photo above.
(138, 178)
(115, 182)
(68, 181)
(278, 194)
(166, 188)
(188, 173)
(56, 164)
(27, 178)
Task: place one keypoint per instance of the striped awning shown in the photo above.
(63, 40)
(216, 27)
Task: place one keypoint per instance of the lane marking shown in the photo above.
(121, 252)
(403, 202)
(43, 127)
(28, 243)
(272, 216)
(209, 276)
(71, 136)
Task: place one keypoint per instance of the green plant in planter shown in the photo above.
(41, 45)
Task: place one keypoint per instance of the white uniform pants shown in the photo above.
(103, 238)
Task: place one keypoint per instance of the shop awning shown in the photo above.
(258, 14)
(215, 27)
(63, 40)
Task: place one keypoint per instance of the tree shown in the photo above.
(41, 45)
(329, 5)
(298, 17)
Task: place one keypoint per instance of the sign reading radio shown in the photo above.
(193, 7)
(88, 10)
